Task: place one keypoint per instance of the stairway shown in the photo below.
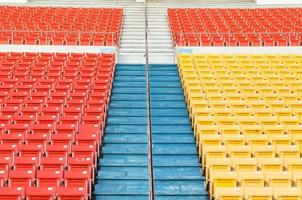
(132, 45)
(177, 174)
(160, 47)
(123, 167)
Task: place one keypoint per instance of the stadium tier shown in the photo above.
(236, 26)
(246, 112)
(60, 26)
(53, 107)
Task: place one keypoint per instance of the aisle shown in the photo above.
(123, 167)
(175, 162)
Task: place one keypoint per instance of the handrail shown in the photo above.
(148, 98)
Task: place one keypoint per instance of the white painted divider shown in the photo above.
(274, 2)
(13, 1)
(237, 50)
(240, 50)
(59, 49)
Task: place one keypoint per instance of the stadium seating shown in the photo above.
(245, 111)
(51, 123)
(60, 26)
(236, 26)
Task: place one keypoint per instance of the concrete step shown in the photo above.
(132, 50)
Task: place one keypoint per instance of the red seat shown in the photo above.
(12, 193)
(41, 128)
(26, 163)
(40, 193)
(63, 138)
(21, 178)
(71, 193)
(57, 150)
(78, 179)
(5, 162)
(12, 138)
(53, 163)
(26, 150)
(49, 178)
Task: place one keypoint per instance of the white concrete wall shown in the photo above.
(240, 50)
(13, 1)
(59, 49)
(271, 2)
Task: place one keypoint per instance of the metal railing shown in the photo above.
(75, 38)
(237, 39)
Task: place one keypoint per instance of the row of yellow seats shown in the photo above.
(244, 70)
(208, 151)
(245, 57)
(292, 165)
(251, 193)
(242, 65)
(224, 117)
(256, 140)
(260, 179)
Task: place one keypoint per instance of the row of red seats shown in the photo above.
(60, 26)
(51, 127)
(31, 38)
(41, 193)
(236, 27)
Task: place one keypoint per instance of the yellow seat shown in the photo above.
(242, 112)
(229, 129)
(222, 193)
(257, 140)
(280, 140)
(293, 164)
(268, 120)
(222, 180)
(243, 151)
(251, 129)
(225, 120)
(246, 120)
(289, 151)
(274, 129)
(233, 140)
(294, 129)
(209, 140)
(263, 151)
(289, 120)
(270, 164)
(217, 164)
(251, 179)
(245, 164)
(209, 152)
(279, 178)
(263, 112)
(264, 193)
(205, 130)
(282, 111)
(256, 104)
(290, 193)
(221, 112)
(202, 122)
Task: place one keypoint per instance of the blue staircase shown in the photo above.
(123, 167)
(177, 174)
